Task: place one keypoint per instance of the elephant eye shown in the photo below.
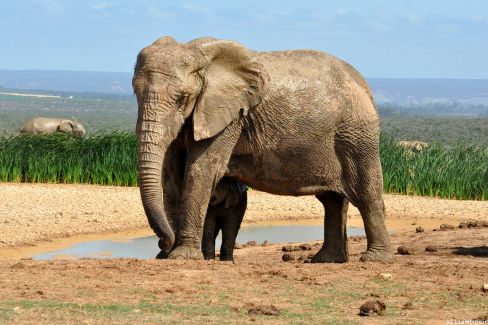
(182, 99)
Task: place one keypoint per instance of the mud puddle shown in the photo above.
(147, 247)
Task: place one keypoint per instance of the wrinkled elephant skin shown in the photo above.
(289, 122)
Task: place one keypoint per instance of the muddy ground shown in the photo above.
(426, 287)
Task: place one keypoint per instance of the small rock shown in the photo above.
(386, 276)
(473, 224)
(287, 257)
(305, 247)
(304, 258)
(372, 307)
(405, 250)
(431, 249)
(419, 229)
(287, 248)
(484, 288)
(237, 246)
(252, 243)
(445, 226)
(264, 310)
(408, 305)
(296, 248)
(265, 243)
(18, 265)
(40, 292)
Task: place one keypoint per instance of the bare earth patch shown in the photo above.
(429, 287)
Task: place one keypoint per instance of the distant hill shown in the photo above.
(418, 96)
(422, 91)
(68, 81)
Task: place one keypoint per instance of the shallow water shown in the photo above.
(147, 247)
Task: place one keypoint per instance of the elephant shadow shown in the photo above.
(476, 251)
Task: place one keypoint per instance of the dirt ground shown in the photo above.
(425, 287)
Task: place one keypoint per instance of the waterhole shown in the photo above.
(147, 247)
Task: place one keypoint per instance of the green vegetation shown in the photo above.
(54, 312)
(108, 159)
(459, 171)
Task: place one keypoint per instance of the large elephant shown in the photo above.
(48, 125)
(289, 123)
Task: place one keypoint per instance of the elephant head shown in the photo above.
(72, 127)
(207, 82)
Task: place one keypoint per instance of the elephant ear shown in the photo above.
(66, 126)
(233, 82)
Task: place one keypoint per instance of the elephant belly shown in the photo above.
(283, 173)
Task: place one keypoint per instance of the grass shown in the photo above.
(144, 311)
(336, 302)
(100, 159)
(459, 171)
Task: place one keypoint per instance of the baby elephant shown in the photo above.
(225, 212)
(48, 125)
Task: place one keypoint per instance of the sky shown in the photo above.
(381, 38)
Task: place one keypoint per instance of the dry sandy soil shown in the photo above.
(426, 287)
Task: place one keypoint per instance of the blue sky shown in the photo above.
(388, 38)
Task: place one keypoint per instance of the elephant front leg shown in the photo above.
(196, 198)
(207, 161)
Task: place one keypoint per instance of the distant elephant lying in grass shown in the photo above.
(414, 146)
(226, 211)
(48, 125)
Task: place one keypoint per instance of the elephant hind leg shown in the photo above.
(364, 190)
(334, 249)
(373, 214)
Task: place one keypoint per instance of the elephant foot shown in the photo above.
(186, 253)
(208, 254)
(376, 255)
(227, 258)
(162, 255)
(324, 255)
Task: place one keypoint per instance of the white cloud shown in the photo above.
(339, 12)
(100, 6)
(52, 7)
(412, 18)
(196, 8)
(480, 19)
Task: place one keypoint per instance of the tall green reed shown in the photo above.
(459, 171)
(105, 159)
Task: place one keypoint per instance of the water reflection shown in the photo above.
(147, 247)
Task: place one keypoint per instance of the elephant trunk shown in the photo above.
(152, 144)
